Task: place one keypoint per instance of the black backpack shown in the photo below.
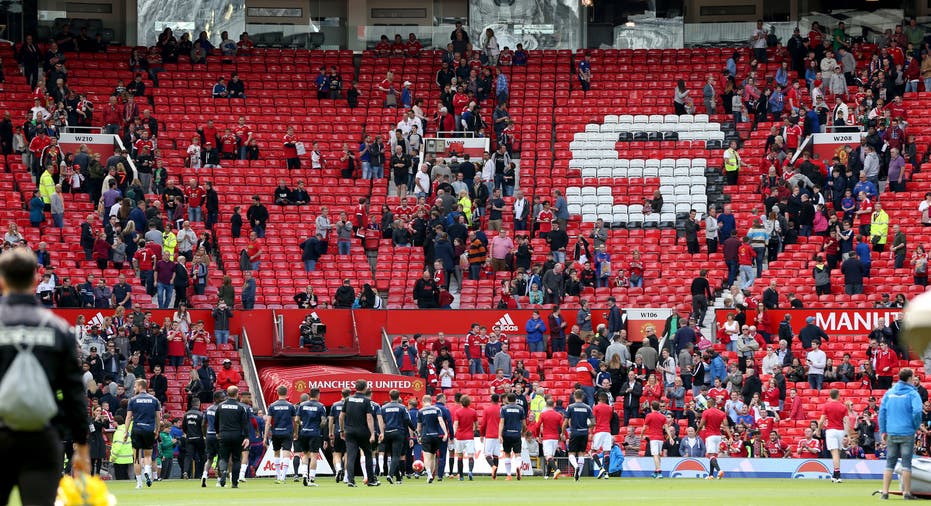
(244, 263)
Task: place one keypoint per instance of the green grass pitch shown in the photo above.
(530, 491)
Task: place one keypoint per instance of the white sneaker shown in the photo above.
(138, 486)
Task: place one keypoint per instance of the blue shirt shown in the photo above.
(396, 417)
(731, 67)
(282, 414)
(579, 414)
(863, 249)
(900, 412)
(209, 416)
(364, 155)
(335, 410)
(429, 421)
(726, 223)
(513, 416)
(585, 67)
(311, 414)
(144, 407)
(376, 410)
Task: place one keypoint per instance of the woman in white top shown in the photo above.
(183, 317)
(731, 329)
(193, 152)
(490, 46)
(924, 208)
(13, 236)
(680, 98)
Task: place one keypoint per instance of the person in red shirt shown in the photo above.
(254, 250)
(488, 428)
(245, 45)
(229, 145)
(398, 47)
(745, 259)
(549, 429)
(383, 47)
(290, 149)
(585, 377)
(144, 261)
(834, 424)
(864, 212)
(499, 385)
(200, 338)
(775, 448)
(793, 134)
(475, 350)
(767, 424)
(412, 46)
(194, 195)
(144, 142)
(602, 441)
(544, 220)
(886, 361)
(717, 391)
(176, 346)
(713, 422)
(465, 423)
(808, 447)
(654, 428)
(505, 57)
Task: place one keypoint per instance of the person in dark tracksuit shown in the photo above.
(443, 454)
(281, 427)
(312, 416)
(395, 423)
(193, 427)
(34, 459)
(357, 429)
(432, 430)
(231, 424)
(378, 447)
(211, 446)
(336, 441)
(144, 415)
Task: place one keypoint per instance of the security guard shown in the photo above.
(281, 428)
(193, 426)
(212, 447)
(33, 460)
(312, 415)
(232, 426)
(378, 448)
(357, 429)
(433, 431)
(395, 423)
(732, 163)
(144, 415)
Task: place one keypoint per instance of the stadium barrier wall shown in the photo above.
(832, 321)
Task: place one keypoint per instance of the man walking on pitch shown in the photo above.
(579, 420)
(281, 429)
(432, 429)
(713, 423)
(395, 423)
(654, 429)
(193, 427)
(357, 428)
(510, 431)
(336, 437)
(312, 416)
(488, 428)
(465, 424)
(231, 424)
(144, 415)
(834, 424)
(900, 417)
(602, 441)
(211, 444)
(549, 428)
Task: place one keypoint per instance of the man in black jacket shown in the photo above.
(810, 332)
(231, 424)
(258, 216)
(558, 240)
(771, 296)
(345, 295)
(632, 390)
(311, 251)
(426, 293)
(194, 447)
(701, 294)
(212, 205)
(39, 453)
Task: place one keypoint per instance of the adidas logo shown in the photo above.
(506, 324)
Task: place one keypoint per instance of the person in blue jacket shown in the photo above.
(535, 328)
(443, 251)
(899, 420)
(718, 368)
